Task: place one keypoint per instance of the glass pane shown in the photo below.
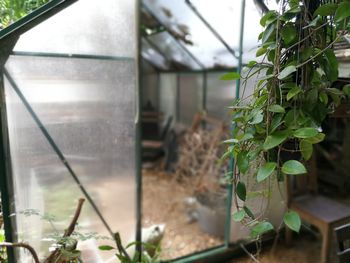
(150, 54)
(88, 107)
(190, 99)
(220, 95)
(86, 27)
(150, 93)
(174, 52)
(191, 31)
(168, 95)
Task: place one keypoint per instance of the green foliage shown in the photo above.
(230, 76)
(239, 216)
(293, 167)
(261, 228)
(292, 220)
(265, 171)
(293, 95)
(12, 10)
(123, 256)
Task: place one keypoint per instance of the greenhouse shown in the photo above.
(175, 131)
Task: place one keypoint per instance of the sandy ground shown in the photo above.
(163, 202)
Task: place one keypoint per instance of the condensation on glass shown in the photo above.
(88, 107)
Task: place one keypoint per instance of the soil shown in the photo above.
(163, 202)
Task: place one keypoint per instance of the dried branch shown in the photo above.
(23, 245)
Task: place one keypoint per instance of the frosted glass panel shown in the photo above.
(41, 182)
(168, 95)
(105, 27)
(191, 90)
(87, 105)
(220, 95)
(88, 108)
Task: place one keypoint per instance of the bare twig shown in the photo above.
(23, 245)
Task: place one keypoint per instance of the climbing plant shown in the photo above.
(293, 95)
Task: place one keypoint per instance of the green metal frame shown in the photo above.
(5, 170)
(138, 132)
(66, 55)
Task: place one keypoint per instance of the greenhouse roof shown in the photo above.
(36, 17)
(190, 35)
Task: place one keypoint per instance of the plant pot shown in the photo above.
(212, 213)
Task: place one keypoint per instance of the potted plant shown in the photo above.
(291, 99)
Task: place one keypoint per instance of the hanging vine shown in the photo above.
(292, 97)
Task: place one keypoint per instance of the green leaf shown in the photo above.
(245, 137)
(261, 51)
(275, 139)
(229, 141)
(243, 162)
(276, 122)
(268, 18)
(323, 97)
(268, 32)
(306, 149)
(313, 22)
(346, 90)
(276, 108)
(265, 171)
(239, 215)
(286, 72)
(318, 138)
(331, 65)
(293, 167)
(334, 91)
(288, 33)
(105, 247)
(249, 212)
(326, 10)
(251, 63)
(256, 116)
(343, 11)
(241, 191)
(292, 220)
(293, 92)
(231, 76)
(261, 228)
(305, 133)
